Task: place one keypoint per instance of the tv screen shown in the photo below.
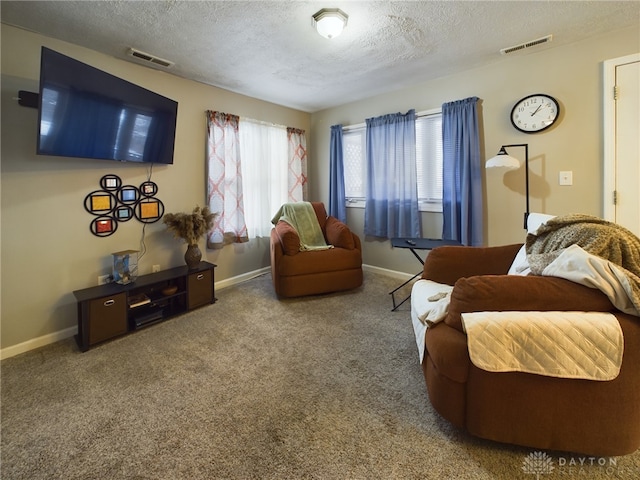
(87, 113)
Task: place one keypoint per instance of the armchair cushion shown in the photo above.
(338, 234)
(288, 238)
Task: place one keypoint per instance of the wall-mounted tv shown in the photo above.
(87, 113)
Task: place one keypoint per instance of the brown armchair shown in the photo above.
(583, 416)
(296, 273)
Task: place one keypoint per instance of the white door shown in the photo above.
(622, 142)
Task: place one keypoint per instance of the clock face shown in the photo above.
(535, 113)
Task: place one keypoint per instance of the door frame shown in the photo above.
(609, 132)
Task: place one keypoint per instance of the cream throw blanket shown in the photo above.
(302, 217)
(587, 345)
(429, 305)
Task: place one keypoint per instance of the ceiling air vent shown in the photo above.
(522, 46)
(147, 57)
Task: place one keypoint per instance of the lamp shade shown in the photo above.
(330, 22)
(503, 160)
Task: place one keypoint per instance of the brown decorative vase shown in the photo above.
(192, 256)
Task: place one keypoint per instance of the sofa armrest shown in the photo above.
(449, 263)
(501, 293)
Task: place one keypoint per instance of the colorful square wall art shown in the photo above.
(128, 194)
(149, 210)
(103, 226)
(100, 203)
(116, 203)
(148, 189)
(124, 213)
(110, 182)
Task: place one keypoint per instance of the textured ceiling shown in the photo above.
(269, 50)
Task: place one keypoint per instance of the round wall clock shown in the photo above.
(535, 113)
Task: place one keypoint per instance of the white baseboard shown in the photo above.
(34, 343)
(50, 338)
(228, 282)
(389, 273)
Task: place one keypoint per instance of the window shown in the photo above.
(264, 165)
(247, 194)
(428, 162)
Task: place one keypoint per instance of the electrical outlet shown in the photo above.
(155, 268)
(104, 279)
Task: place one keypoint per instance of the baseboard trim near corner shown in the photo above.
(54, 337)
(229, 282)
(38, 342)
(385, 271)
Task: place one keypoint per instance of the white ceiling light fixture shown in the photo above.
(329, 22)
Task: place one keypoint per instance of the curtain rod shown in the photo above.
(423, 113)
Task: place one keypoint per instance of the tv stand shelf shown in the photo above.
(111, 310)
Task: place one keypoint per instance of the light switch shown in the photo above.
(565, 178)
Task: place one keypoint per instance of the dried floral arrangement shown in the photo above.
(190, 226)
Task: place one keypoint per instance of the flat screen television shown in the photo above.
(87, 113)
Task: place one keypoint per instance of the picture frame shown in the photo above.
(123, 213)
(149, 210)
(116, 203)
(110, 182)
(100, 202)
(103, 226)
(128, 194)
(148, 188)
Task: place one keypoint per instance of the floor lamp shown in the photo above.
(504, 160)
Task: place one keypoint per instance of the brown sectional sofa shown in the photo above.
(583, 416)
(295, 273)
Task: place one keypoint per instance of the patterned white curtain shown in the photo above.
(297, 175)
(224, 183)
(265, 171)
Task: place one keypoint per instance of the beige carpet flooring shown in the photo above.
(324, 387)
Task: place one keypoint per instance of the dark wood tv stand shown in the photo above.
(108, 311)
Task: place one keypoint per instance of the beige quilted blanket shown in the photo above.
(586, 345)
(610, 257)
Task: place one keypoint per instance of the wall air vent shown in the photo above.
(523, 46)
(147, 57)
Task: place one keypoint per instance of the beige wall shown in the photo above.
(572, 74)
(47, 248)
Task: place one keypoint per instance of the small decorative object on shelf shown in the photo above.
(190, 227)
(125, 266)
(169, 290)
(192, 256)
(138, 300)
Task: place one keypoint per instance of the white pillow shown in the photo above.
(520, 265)
(535, 220)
